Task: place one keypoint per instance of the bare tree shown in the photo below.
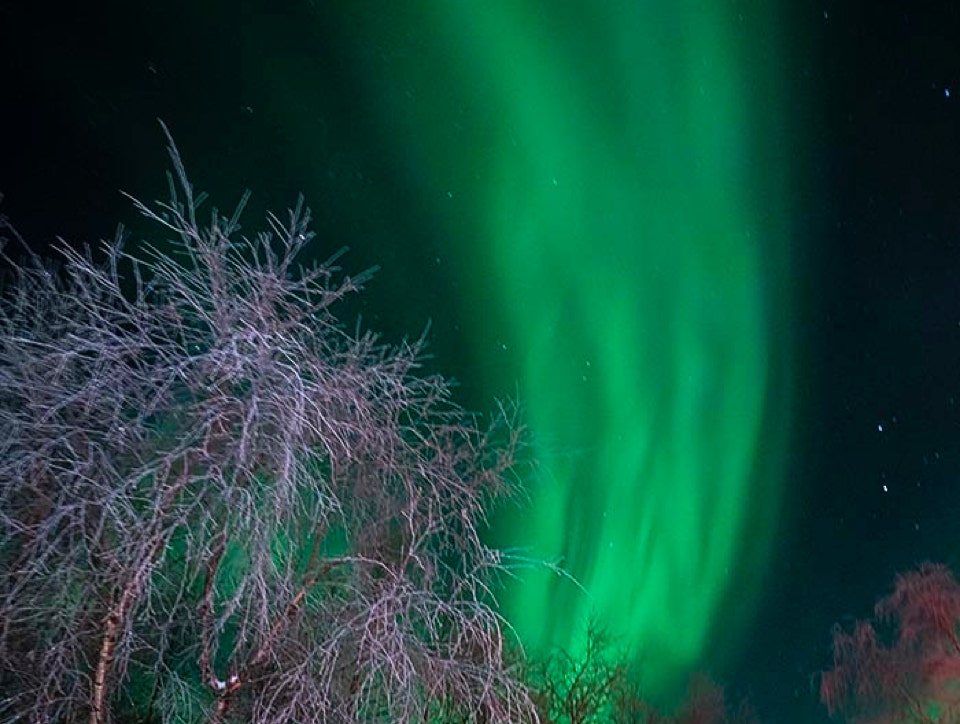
(581, 689)
(604, 683)
(217, 503)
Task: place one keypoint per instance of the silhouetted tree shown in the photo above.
(579, 689)
(706, 703)
(603, 686)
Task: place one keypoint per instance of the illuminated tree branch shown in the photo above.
(914, 678)
(203, 470)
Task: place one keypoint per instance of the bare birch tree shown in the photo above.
(217, 503)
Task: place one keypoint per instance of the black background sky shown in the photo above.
(873, 93)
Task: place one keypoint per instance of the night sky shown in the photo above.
(860, 114)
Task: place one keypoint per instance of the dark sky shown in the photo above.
(873, 92)
(877, 463)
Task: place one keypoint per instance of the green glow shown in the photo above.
(619, 207)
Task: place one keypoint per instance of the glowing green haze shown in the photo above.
(620, 204)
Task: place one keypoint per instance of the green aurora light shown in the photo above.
(612, 180)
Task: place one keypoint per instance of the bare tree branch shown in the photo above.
(204, 471)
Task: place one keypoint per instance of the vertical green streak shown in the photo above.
(629, 262)
(624, 212)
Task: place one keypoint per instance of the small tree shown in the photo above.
(583, 689)
(706, 703)
(914, 678)
(219, 504)
(604, 686)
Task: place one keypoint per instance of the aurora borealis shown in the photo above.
(711, 246)
(605, 191)
(631, 230)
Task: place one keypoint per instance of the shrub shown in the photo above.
(916, 676)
